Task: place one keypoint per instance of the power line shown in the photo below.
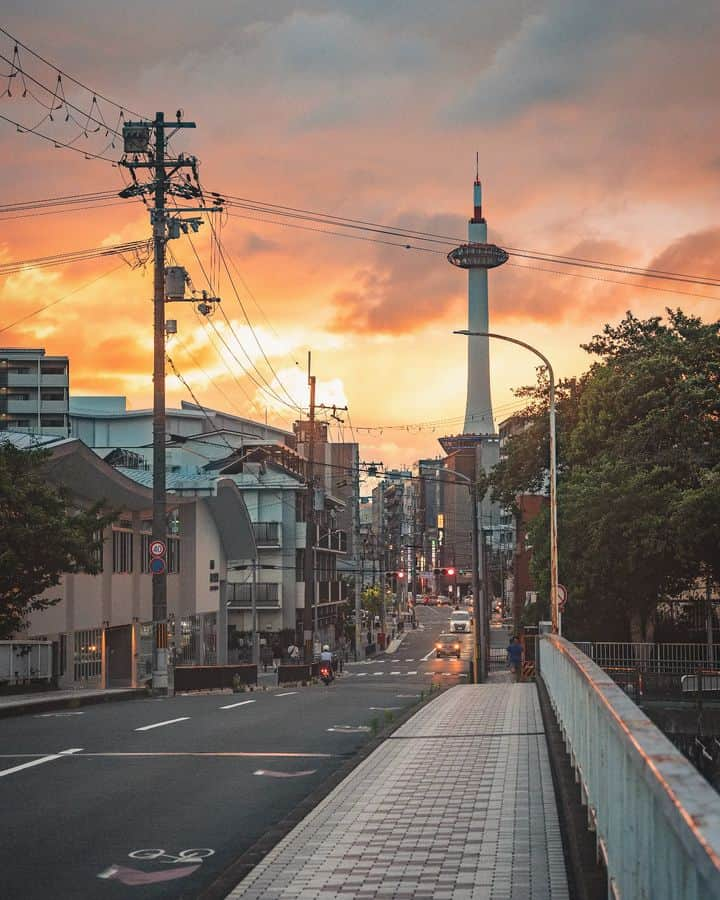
(74, 80)
(72, 256)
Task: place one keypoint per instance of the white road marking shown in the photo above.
(409, 660)
(383, 708)
(160, 724)
(39, 762)
(395, 673)
(428, 655)
(378, 673)
(360, 674)
(413, 673)
(286, 694)
(349, 729)
(270, 773)
(407, 696)
(57, 715)
(233, 705)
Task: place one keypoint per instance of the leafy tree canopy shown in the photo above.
(42, 536)
(639, 472)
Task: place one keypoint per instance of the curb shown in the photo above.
(228, 880)
(21, 709)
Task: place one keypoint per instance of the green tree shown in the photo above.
(639, 473)
(42, 536)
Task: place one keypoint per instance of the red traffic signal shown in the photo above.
(451, 571)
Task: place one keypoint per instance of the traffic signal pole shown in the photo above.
(479, 637)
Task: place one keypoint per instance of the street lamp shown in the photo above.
(480, 643)
(554, 604)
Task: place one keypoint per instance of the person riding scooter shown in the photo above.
(326, 662)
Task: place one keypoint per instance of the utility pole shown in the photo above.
(139, 155)
(479, 656)
(357, 554)
(310, 612)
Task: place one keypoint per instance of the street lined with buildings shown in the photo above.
(215, 771)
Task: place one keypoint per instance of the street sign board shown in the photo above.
(562, 596)
(157, 548)
(157, 565)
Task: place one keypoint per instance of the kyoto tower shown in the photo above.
(477, 256)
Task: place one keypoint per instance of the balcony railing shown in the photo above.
(331, 591)
(332, 539)
(240, 596)
(267, 534)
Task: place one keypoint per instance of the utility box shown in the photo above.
(175, 279)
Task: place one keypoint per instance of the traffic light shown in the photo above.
(448, 571)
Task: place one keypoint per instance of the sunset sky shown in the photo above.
(597, 131)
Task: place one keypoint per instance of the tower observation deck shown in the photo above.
(477, 256)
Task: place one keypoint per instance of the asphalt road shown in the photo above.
(111, 801)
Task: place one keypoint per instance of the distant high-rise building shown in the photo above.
(34, 391)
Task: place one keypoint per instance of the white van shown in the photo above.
(460, 621)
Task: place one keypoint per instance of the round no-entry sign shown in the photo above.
(562, 596)
(157, 548)
(157, 566)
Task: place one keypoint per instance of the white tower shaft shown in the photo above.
(478, 412)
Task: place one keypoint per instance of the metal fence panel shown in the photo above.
(656, 819)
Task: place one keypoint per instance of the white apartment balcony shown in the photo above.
(48, 381)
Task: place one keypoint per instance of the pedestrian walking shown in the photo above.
(293, 653)
(277, 654)
(515, 657)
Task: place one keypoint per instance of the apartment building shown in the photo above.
(34, 391)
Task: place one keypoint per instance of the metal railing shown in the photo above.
(267, 596)
(657, 822)
(664, 659)
(267, 534)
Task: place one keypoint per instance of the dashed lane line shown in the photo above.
(428, 655)
(233, 705)
(160, 724)
(39, 762)
(286, 694)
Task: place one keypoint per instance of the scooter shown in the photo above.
(326, 672)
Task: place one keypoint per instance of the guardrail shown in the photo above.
(665, 659)
(657, 821)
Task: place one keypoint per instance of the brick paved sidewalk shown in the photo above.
(458, 803)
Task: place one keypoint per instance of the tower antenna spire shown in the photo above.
(477, 165)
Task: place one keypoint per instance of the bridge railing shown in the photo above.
(657, 821)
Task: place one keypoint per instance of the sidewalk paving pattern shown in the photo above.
(458, 803)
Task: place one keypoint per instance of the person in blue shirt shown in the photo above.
(515, 655)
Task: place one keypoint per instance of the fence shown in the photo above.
(25, 661)
(661, 659)
(656, 821)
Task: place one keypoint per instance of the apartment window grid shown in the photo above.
(122, 539)
(88, 654)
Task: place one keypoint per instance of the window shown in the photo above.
(299, 565)
(52, 370)
(88, 654)
(173, 555)
(98, 554)
(53, 421)
(18, 370)
(145, 551)
(18, 423)
(52, 395)
(122, 551)
(23, 397)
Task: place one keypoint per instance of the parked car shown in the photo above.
(447, 645)
(460, 621)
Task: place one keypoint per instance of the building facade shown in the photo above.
(34, 392)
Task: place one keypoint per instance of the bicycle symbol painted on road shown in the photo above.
(184, 856)
(185, 863)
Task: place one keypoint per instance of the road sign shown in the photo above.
(157, 565)
(562, 596)
(157, 548)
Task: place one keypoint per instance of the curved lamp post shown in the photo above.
(554, 604)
